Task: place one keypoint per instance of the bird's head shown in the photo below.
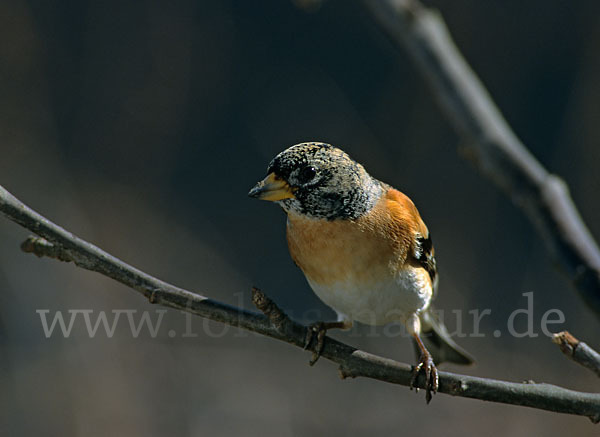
(319, 181)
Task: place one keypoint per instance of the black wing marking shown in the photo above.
(424, 254)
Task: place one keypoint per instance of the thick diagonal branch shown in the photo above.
(490, 142)
(63, 245)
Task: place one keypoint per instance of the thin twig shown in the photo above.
(490, 142)
(61, 244)
(578, 351)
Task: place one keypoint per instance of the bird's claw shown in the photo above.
(320, 329)
(432, 380)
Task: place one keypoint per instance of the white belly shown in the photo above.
(379, 303)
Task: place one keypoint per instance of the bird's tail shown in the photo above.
(438, 341)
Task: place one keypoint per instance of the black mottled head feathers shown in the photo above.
(326, 182)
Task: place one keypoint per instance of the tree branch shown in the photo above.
(61, 244)
(578, 351)
(491, 144)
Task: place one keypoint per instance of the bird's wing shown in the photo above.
(420, 251)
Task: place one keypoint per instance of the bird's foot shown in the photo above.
(319, 329)
(431, 376)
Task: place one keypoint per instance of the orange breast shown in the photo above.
(365, 251)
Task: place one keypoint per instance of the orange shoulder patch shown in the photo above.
(405, 209)
(421, 252)
(396, 216)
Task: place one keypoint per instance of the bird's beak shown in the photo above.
(272, 188)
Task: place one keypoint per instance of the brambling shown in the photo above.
(363, 247)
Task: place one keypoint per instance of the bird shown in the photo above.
(363, 248)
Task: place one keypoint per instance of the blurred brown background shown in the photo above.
(140, 126)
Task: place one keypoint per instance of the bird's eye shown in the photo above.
(307, 174)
